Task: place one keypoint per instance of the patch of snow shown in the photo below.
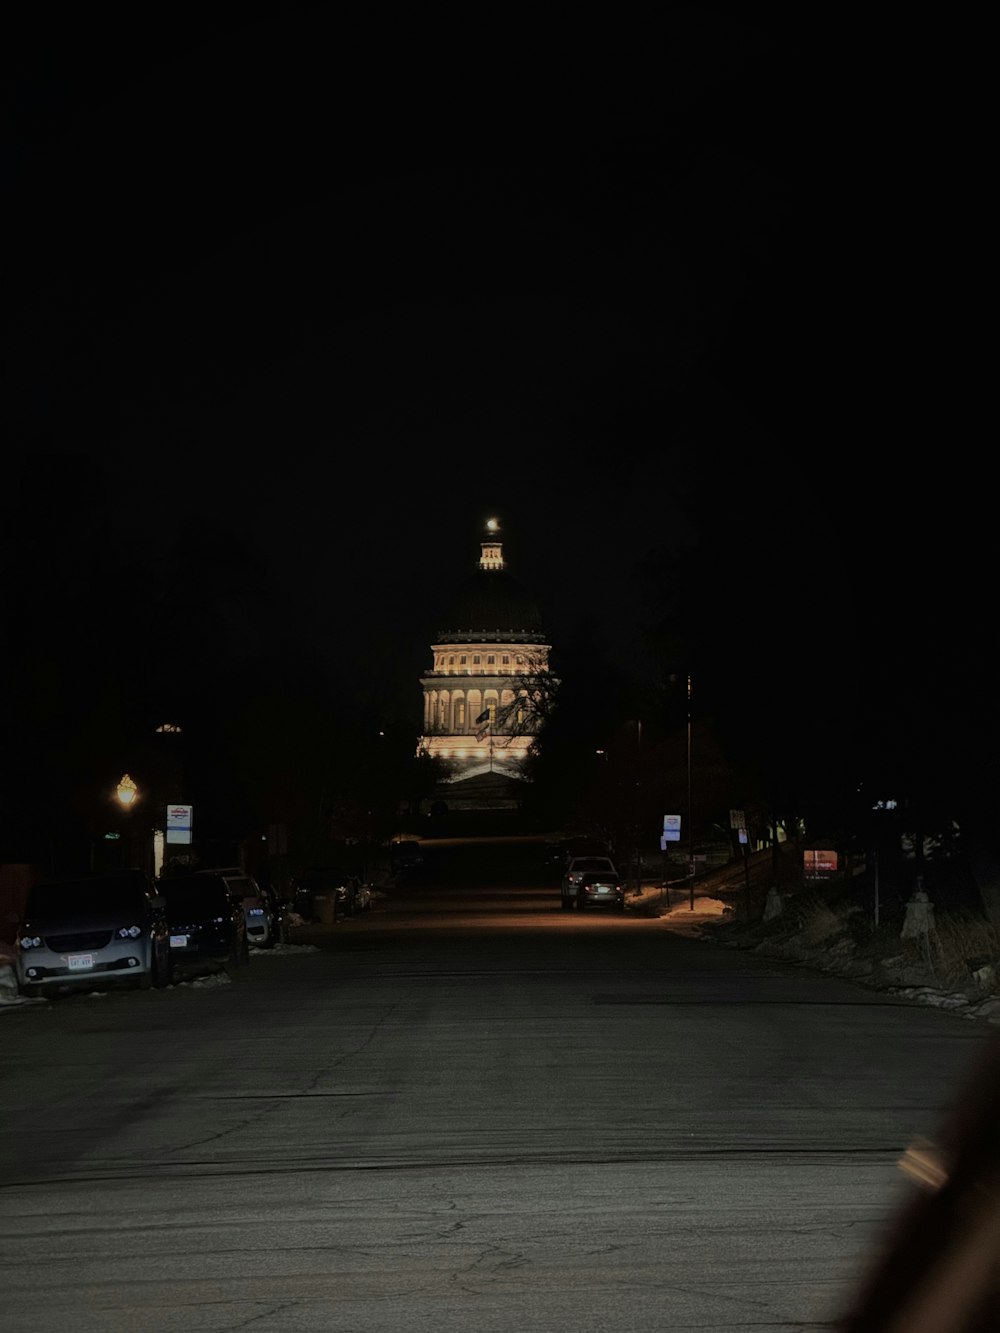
(208, 980)
(288, 948)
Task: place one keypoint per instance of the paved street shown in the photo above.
(465, 1109)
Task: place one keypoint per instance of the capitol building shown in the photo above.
(479, 718)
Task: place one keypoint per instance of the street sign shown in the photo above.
(819, 864)
(179, 821)
(671, 828)
(737, 819)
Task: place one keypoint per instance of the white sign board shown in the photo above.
(671, 828)
(179, 821)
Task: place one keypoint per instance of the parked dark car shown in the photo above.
(322, 893)
(600, 889)
(207, 925)
(263, 911)
(90, 931)
(405, 857)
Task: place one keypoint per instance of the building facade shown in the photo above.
(478, 715)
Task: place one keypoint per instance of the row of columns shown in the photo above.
(454, 712)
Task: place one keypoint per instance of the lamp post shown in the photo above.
(126, 791)
(127, 796)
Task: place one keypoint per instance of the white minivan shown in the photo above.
(92, 931)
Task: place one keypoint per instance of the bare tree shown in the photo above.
(534, 690)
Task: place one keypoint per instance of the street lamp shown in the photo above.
(126, 791)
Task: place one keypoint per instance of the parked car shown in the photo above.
(326, 891)
(207, 925)
(92, 930)
(405, 856)
(264, 913)
(576, 868)
(598, 888)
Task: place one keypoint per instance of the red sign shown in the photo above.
(815, 864)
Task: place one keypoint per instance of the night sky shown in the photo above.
(292, 306)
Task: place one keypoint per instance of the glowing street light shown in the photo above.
(126, 791)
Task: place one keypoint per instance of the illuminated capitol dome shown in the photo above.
(477, 713)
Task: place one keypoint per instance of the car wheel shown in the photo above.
(579, 903)
(567, 903)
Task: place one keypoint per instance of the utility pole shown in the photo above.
(637, 856)
(690, 806)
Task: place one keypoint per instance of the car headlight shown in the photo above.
(30, 942)
(129, 932)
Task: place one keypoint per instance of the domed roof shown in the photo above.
(492, 605)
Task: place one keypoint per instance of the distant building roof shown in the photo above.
(491, 604)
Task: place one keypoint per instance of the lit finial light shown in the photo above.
(126, 790)
(492, 525)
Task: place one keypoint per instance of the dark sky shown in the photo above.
(293, 305)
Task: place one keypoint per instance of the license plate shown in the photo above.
(603, 889)
(178, 941)
(79, 962)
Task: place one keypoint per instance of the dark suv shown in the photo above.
(91, 931)
(263, 910)
(206, 922)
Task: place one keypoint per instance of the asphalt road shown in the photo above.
(465, 1110)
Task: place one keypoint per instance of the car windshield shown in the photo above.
(184, 895)
(71, 896)
(592, 863)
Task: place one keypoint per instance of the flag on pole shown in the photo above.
(484, 716)
(481, 732)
